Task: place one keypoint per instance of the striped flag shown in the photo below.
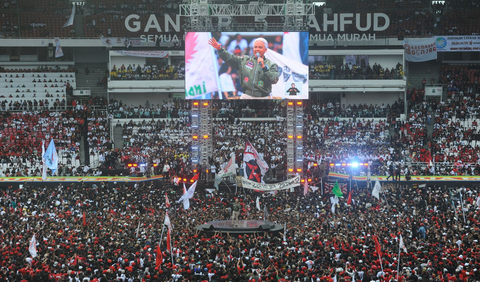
(167, 202)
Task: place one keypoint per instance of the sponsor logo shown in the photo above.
(441, 43)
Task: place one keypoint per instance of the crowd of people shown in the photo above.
(113, 231)
(320, 70)
(22, 134)
(148, 72)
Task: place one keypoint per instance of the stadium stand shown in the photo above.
(112, 231)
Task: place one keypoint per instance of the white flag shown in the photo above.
(71, 18)
(44, 161)
(187, 196)
(402, 245)
(167, 222)
(258, 203)
(334, 201)
(32, 248)
(377, 189)
(200, 65)
(228, 168)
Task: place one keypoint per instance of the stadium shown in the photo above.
(238, 140)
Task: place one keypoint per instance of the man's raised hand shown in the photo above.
(214, 43)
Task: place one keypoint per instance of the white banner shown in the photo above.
(420, 50)
(293, 74)
(290, 183)
(200, 65)
(58, 49)
(457, 43)
(145, 54)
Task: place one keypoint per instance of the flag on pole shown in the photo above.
(195, 177)
(378, 248)
(32, 248)
(159, 258)
(255, 165)
(169, 242)
(51, 157)
(305, 187)
(336, 190)
(84, 219)
(258, 203)
(334, 200)
(228, 168)
(285, 232)
(138, 229)
(188, 194)
(201, 75)
(71, 18)
(402, 245)
(377, 189)
(167, 222)
(349, 201)
(44, 166)
(167, 202)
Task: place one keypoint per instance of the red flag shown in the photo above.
(349, 201)
(159, 259)
(195, 178)
(378, 248)
(84, 219)
(168, 241)
(167, 202)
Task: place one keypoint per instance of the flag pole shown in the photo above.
(161, 236)
(138, 227)
(461, 202)
(398, 266)
(171, 252)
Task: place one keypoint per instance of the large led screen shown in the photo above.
(246, 65)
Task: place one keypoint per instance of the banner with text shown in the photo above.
(248, 184)
(457, 43)
(144, 54)
(420, 50)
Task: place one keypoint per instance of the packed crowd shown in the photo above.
(110, 232)
(320, 70)
(329, 109)
(460, 78)
(148, 72)
(21, 136)
(175, 108)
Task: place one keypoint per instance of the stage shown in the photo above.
(240, 227)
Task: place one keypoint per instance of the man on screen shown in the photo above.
(256, 86)
(293, 91)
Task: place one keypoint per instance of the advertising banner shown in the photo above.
(457, 43)
(420, 50)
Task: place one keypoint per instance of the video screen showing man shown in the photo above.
(256, 74)
(293, 91)
(246, 65)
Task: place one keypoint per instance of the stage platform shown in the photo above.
(240, 227)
